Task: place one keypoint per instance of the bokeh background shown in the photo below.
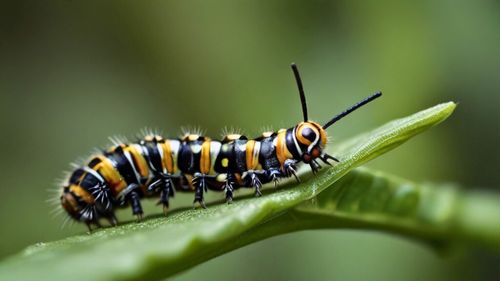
(73, 73)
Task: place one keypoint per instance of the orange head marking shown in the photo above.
(312, 138)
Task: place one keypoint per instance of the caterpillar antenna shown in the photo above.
(351, 109)
(301, 91)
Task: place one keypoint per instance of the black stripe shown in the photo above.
(226, 152)
(94, 162)
(122, 165)
(240, 156)
(290, 144)
(185, 158)
(154, 156)
(75, 176)
(267, 154)
(195, 166)
(89, 181)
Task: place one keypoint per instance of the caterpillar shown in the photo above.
(157, 167)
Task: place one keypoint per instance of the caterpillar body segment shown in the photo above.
(158, 167)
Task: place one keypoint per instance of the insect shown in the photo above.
(156, 167)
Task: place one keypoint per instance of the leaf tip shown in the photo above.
(449, 107)
(441, 111)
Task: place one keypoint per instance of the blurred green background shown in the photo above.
(73, 73)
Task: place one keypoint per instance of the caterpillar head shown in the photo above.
(311, 137)
(71, 203)
(77, 206)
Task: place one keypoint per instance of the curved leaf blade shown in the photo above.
(439, 215)
(160, 247)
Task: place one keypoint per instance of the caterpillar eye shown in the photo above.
(315, 152)
(310, 156)
(306, 158)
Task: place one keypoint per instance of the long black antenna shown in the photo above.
(351, 109)
(301, 91)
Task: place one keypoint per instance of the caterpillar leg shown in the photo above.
(325, 158)
(90, 223)
(229, 187)
(315, 166)
(90, 216)
(166, 188)
(167, 191)
(89, 226)
(113, 221)
(200, 184)
(255, 182)
(131, 195)
(274, 175)
(135, 203)
(290, 169)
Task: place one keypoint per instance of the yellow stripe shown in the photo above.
(82, 193)
(205, 158)
(139, 160)
(251, 159)
(281, 150)
(167, 160)
(110, 174)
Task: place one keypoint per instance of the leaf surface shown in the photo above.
(160, 247)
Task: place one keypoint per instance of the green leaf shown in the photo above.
(160, 247)
(440, 215)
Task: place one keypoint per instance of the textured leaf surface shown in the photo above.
(160, 247)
